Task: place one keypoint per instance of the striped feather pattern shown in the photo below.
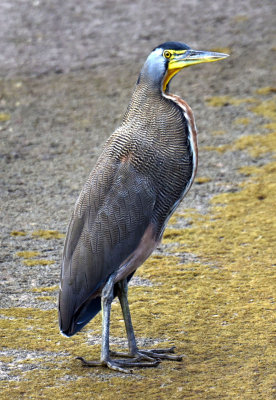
(141, 176)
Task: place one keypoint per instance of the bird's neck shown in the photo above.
(151, 76)
(143, 99)
(148, 87)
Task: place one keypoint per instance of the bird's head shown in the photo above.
(167, 59)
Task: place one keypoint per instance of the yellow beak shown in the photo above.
(187, 58)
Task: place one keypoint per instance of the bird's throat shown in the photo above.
(168, 77)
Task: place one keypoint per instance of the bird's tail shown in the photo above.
(72, 322)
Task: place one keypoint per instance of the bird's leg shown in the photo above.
(122, 294)
(149, 355)
(117, 365)
(106, 299)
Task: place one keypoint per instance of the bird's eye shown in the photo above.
(167, 54)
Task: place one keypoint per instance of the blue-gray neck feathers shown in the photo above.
(153, 70)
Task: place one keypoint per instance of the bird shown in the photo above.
(146, 168)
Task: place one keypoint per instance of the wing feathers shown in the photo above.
(110, 217)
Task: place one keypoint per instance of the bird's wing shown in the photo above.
(110, 217)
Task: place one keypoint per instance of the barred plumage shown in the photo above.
(147, 166)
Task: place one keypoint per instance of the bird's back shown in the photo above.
(141, 175)
(161, 147)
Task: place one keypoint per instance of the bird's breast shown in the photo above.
(191, 126)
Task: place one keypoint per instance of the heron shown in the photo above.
(146, 168)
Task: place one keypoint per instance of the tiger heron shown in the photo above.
(146, 168)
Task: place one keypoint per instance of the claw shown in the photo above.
(112, 365)
(119, 365)
(166, 350)
(139, 358)
(86, 363)
(161, 355)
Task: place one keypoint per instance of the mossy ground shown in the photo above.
(219, 311)
(48, 234)
(30, 256)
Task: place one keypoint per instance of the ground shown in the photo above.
(66, 76)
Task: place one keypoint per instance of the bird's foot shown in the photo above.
(150, 355)
(140, 358)
(120, 365)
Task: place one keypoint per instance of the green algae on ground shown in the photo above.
(202, 179)
(37, 330)
(271, 126)
(30, 261)
(248, 170)
(266, 90)
(242, 121)
(220, 101)
(48, 234)
(45, 289)
(266, 109)
(4, 117)
(222, 230)
(256, 145)
(18, 233)
(34, 262)
(27, 254)
(239, 237)
(41, 233)
(219, 149)
(46, 298)
(6, 359)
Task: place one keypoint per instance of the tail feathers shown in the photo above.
(72, 318)
(87, 311)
